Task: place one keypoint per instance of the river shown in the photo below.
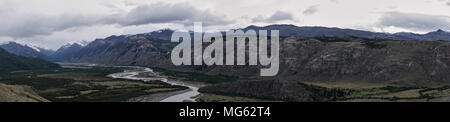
(133, 73)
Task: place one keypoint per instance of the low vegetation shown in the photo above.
(84, 84)
(197, 77)
(384, 93)
(10, 62)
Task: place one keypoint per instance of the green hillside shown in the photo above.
(11, 62)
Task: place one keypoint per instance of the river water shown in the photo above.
(135, 71)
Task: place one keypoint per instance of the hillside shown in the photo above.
(346, 62)
(11, 62)
(141, 50)
(66, 52)
(317, 31)
(307, 58)
(17, 93)
(357, 59)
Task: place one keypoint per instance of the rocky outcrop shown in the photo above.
(365, 60)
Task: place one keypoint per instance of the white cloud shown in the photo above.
(181, 13)
(52, 23)
(414, 21)
(19, 25)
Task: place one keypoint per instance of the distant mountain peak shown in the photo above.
(282, 25)
(252, 26)
(16, 44)
(272, 26)
(83, 43)
(34, 47)
(66, 51)
(69, 45)
(13, 43)
(162, 31)
(440, 30)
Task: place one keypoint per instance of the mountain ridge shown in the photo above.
(11, 62)
(66, 52)
(23, 50)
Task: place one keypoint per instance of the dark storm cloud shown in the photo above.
(311, 10)
(19, 25)
(181, 13)
(414, 21)
(28, 25)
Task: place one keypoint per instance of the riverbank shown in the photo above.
(147, 74)
(158, 97)
(83, 83)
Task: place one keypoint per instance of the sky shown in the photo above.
(53, 23)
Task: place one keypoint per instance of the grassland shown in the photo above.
(84, 84)
(354, 92)
(196, 77)
(377, 92)
(19, 93)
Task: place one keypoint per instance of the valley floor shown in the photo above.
(83, 84)
(386, 92)
(341, 92)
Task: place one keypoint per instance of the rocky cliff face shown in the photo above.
(354, 59)
(345, 59)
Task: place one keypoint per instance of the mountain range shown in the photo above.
(69, 51)
(66, 52)
(305, 31)
(23, 50)
(153, 50)
(311, 54)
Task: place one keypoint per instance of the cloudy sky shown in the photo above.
(52, 23)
